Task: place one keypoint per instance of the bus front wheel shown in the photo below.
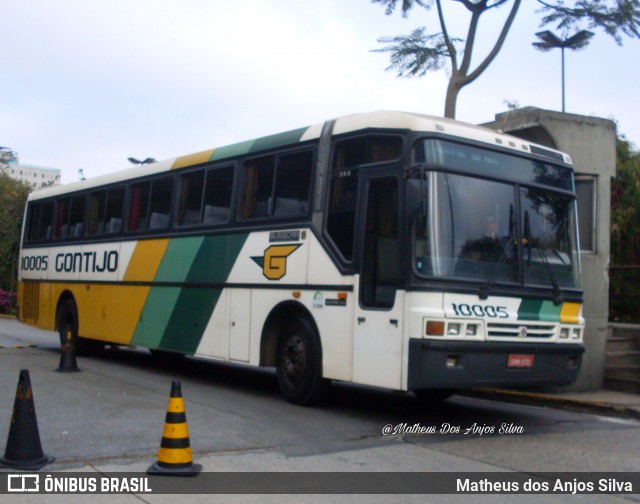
(299, 364)
(67, 321)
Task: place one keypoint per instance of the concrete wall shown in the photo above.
(591, 143)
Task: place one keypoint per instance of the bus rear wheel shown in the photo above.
(299, 364)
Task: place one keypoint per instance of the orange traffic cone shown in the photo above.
(24, 451)
(174, 455)
(68, 362)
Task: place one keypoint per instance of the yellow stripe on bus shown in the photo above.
(570, 313)
(145, 260)
(192, 159)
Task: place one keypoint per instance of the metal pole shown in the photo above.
(562, 50)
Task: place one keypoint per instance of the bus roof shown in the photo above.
(383, 119)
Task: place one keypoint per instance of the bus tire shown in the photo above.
(299, 363)
(67, 320)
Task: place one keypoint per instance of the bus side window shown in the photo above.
(258, 186)
(293, 178)
(139, 206)
(191, 189)
(160, 203)
(95, 224)
(217, 195)
(70, 218)
(114, 211)
(349, 154)
(277, 186)
(40, 222)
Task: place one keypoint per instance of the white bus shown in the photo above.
(389, 249)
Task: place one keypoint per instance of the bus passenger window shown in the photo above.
(160, 203)
(258, 186)
(40, 222)
(114, 211)
(139, 206)
(95, 225)
(150, 205)
(190, 210)
(277, 187)
(70, 218)
(217, 195)
(293, 177)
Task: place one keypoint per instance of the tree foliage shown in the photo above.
(423, 51)
(625, 207)
(13, 197)
(625, 235)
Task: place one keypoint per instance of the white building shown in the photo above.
(35, 176)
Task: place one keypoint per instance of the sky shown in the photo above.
(88, 83)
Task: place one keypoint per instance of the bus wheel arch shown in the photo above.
(291, 343)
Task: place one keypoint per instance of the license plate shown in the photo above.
(520, 361)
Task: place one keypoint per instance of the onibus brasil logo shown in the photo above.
(274, 260)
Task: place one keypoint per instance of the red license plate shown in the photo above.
(520, 361)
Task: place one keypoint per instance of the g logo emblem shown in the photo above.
(274, 260)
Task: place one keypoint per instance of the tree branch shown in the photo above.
(496, 48)
(450, 46)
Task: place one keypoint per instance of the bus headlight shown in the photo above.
(564, 332)
(453, 329)
(472, 330)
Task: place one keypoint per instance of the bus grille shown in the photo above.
(31, 301)
(522, 331)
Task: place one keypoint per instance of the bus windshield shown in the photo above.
(490, 231)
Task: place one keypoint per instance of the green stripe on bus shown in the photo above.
(550, 312)
(259, 144)
(536, 309)
(530, 309)
(189, 319)
(160, 303)
(194, 307)
(228, 151)
(155, 316)
(272, 141)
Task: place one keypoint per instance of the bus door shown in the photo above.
(377, 352)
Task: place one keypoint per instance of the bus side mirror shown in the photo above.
(415, 197)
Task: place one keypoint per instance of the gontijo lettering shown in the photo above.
(87, 262)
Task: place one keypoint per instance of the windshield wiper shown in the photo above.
(486, 287)
(556, 294)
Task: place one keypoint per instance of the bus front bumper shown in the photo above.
(457, 365)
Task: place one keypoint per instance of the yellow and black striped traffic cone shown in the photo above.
(68, 363)
(174, 455)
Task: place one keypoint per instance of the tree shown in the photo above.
(625, 235)
(625, 212)
(13, 197)
(423, 51)
(7, 155)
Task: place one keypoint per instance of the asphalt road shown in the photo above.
(112, 414)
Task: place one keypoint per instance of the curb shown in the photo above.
(545, 399)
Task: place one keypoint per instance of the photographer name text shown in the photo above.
(474, 429)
